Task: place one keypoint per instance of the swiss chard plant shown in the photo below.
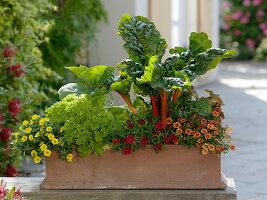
(163, 81)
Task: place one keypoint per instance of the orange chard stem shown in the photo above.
(127, 100)
(154, 103)
(164, 100)
(176, 94)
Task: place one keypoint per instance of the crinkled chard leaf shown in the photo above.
(131, 68)
(206, 61)
(201, 106)
(122, 84)
(142, 39)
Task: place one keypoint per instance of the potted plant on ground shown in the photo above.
(166, 114)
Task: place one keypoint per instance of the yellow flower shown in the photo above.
(16, 141)
(25, 123)
(41, 122)
(20, 128)
(69, 157)
(34, 117)
(30, 137)
(28, 130)
(47, 152)
(46, 119)
(34, 153)
(43, 147)
(49, 129)
(24, 138)
(37, 134)
(31, 122)
(15, 134)
(37, 159)
(50, 136)
(54, 141)
(61, 129)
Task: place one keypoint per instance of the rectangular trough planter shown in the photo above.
(176, 167)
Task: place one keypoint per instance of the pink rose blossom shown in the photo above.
(237, 15)
(237, 32)
(260, 12)
(226, 27)
(250, 44)
(264, 32)
(244, 20)
(256, 2)
(246, 3)
(263, 26)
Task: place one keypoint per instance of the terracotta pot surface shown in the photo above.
(176, 167)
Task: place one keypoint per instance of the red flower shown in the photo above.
(144, 141)
(13, 107)
(167, 140)
(126, 150)
(15, 70)
(1, 117)
(141, 121)
(129, 139)
(159, 125)
(11, 171)
(158, 130)
(158, 146)
(116, 141)
(4, 134)
(9, 52)
(174, 139)
(130, 125)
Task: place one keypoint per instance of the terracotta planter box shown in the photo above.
(176, 167)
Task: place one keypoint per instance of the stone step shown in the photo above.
(30, 188)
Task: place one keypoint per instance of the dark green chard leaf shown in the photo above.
(131, 68)
(142, 39)
(206, 61)
(177, 50)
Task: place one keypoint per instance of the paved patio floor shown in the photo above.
(243, 87)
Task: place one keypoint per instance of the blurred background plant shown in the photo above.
(38, 38)
(72, 33)
(244, 26)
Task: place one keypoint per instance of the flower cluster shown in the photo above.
(237, 17)
(10, 194)
(10, 108)
(184, 127)
(39, 137)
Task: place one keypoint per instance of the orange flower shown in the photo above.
(211, 147)
(210, 126)
(203, 121)
(199, 140)
(179, 131)
(176, 125)
(207, 136)
(198, 145)
(215, 114)
(216, 133)
(204, 151)
(196, 135)
(221, 149)
(229, 129)
(232, 147)
(218, 109)
(204, 131)
(188, 131)
(169, 121)
(182, 120)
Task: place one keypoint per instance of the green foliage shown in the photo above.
(74, 28)
(23, 24)
(261, 53)
(85, 121)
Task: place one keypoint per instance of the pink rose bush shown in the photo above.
(245, 25)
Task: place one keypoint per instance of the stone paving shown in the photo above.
(243, 88)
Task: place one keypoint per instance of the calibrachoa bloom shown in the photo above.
(129, 139)
(158, 147)
(116, 141)
(127, 150)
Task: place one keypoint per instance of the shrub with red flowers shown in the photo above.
(238, 16)
(10, 108)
